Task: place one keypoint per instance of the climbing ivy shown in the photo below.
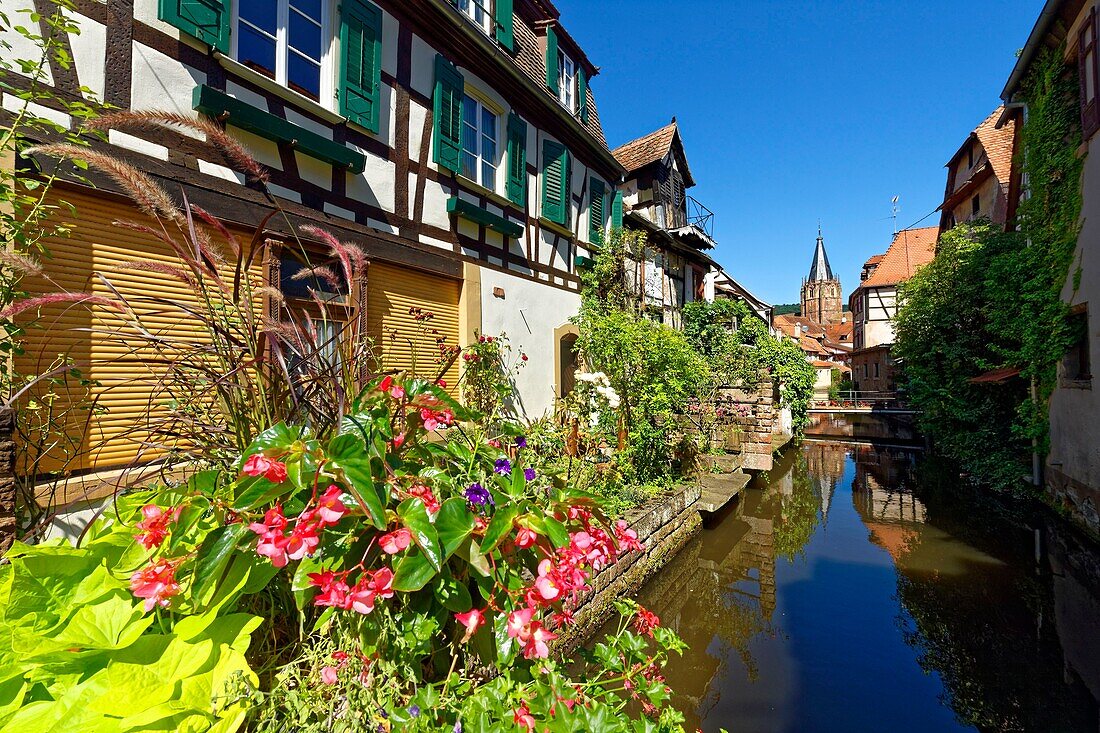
(992, 299)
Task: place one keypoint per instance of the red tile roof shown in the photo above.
(910, 249)
(998, 144)
(646, 149)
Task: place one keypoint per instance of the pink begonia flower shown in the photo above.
(472, 619)
(519, 623)
(331, 507)
(260, 465)
(522, 716)
(334, 591)
(273, 523)
(382, 583)
(154, 525)
(303, 540)
(537, 646)
(361, 597)
(398, 440)
(628, 538)
(397, 392)
(385, 384)
(525, 538)
(422, 492)
(155, 583)
(396, 541)
(273, 547)
(545, 584)
(329, 675)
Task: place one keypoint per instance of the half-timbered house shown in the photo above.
(456, 142)
(674, 267)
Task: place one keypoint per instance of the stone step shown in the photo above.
(719, 488)
(722, 462)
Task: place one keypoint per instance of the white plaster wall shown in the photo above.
(1075, 413)
(89, 53)
(20, 47)
(160, 82)
(528, 314)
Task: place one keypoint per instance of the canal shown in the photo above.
(860, 588)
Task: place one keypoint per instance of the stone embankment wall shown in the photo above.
(749, 414)
(664, 525)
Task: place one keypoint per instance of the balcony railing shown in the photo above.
(700, 216)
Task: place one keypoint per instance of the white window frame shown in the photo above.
(482, 106)
(567, 82)
(470, 9)
(327, 87)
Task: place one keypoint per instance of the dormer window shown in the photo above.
(567, 82)
(480, 12)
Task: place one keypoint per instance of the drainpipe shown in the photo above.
(1036, 464)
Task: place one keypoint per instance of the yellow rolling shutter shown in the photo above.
(403, 344)
(115, 433)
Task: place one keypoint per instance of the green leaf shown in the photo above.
(556, 531)
(454, 523)
(253, 491)
(499, 527)
(213, 558)
(413, 572)
(471, 553)
(277, 437)
(348, 453)
(454, 595)
(414, 515)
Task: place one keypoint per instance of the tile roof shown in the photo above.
(811, 346)
(997, 142)
(531, 60)
(910, 249)
(873, 260)
(839, 331)
(791, 324)
(646, 149)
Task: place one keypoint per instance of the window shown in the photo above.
(597, 210)
(1088, 76)
(567, 82)
(970, 156)
(975, 205)
(876, 370)
(286, 40)
(480, 12)
(1077, 364)
(480, 133)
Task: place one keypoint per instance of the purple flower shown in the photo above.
(529, 474)
(458, 726)
(414, 711)
(521, 442)
(503, 466)
(478, 494)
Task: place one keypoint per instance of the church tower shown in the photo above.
(821, 290)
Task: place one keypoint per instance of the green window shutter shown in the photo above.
(361, 66)
(596, 211)
(617, 210)
(582, 94)
(552, 60)
(206, 20)
(555, 182)
(447, 113)
(517, 159)
(504, 32)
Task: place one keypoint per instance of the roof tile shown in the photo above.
(646, 149)
(910, 249)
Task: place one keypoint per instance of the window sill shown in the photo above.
(298, 100)
(477, 188)
(555, 227)
(1075, 383)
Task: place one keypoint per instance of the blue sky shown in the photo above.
(795, 111)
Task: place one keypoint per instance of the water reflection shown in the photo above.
(854, 589)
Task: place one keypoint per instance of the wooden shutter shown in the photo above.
(582, 94)
(206, 20)
(447, 121)
(504, 33)
(127, 384)
(361, 65)
(517, 159)
(552, 71)
(401, 343)
(617, 210)
(596, 211)
(555, 182)
(1088, 72)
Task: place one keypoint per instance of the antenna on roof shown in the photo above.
(894, 214)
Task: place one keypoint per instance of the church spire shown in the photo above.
(819, 268)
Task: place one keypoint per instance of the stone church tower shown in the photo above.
(821, 290)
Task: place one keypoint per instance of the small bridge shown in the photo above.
(863, 403)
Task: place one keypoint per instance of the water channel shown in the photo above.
(859, 587)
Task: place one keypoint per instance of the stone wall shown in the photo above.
(664, 525)
(751, 415)
(7, 479)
